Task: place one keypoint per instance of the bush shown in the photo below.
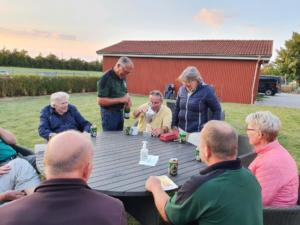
(297, 91)
(286, 88)
(37, 85)
(292, 87)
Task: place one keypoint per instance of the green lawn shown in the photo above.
(37, 71)
(20, 115)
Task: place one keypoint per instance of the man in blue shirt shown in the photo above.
(60, 116)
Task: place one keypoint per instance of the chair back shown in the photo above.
(283, 216)
(245, 150)
(244, 146)
(171, 105)
(22, 150)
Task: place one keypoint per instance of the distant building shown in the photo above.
(232, 67)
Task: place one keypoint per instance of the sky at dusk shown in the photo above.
(77, 28)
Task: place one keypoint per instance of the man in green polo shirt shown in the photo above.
(113, 96)
(224, 193)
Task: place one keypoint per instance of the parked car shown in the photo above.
(4, 72)
(270, 85)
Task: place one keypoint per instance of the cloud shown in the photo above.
(252, 29)
(214, 18)
(38, 41)
(37, 34)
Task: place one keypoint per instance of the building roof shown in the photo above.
(251, 49)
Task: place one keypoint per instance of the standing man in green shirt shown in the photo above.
(224, 193)
(113, 96)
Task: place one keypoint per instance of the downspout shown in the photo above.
(254, 78)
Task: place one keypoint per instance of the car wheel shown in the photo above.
(268, 92)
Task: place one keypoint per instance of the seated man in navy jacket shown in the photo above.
(61, 116)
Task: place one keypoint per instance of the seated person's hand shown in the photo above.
(4, 169)
(157, 131)
(175, 129)
(152, 183)
(143, 109)
(13, 195)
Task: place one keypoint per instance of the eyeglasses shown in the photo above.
(251, 129)
(155, 93)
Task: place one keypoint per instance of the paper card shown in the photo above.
(151, 160)
(166, 183)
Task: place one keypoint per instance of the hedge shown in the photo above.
(34, 85)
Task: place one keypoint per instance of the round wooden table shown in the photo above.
(116, 169)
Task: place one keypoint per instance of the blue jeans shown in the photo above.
(112, 120)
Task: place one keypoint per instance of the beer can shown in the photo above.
(182, 137)
(197, 154)
(127, 130)
(173, 167)
(93, 130)
(51, 135)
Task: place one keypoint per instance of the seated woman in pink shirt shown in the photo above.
(274, 167)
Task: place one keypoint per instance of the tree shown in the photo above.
(270, 69)
(288, 59)
(51, 61)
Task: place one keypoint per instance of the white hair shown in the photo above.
(58, 96)
(125, 62)
(190, 73)
(266, 122)
(156, 93)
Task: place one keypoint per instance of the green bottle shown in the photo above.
(126, 112)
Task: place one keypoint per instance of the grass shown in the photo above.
(36, 71)
(260, 97)
(20, 115)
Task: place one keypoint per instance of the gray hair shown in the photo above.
(125, 62)
(221, 138)
(190, 73)
(266, 122)
(156, 93)
(58, 96)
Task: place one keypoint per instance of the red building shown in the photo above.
(231, 66)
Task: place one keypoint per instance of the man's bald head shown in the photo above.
(68, 154)
(221, 138)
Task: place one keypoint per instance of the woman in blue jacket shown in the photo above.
(193, 101)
